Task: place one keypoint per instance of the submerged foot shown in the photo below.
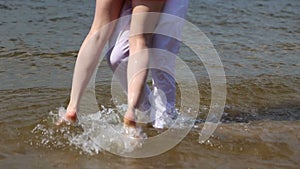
(131, 128)
(129, 121)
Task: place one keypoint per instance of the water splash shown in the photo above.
(96, 132)
(93, 134)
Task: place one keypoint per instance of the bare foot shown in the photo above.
(131, 128)
(69, 117)
(129, 120)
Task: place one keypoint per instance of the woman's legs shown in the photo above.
(138, 41)
(90, 51)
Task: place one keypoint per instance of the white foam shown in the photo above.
(96, 132)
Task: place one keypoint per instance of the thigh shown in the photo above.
(106, 11)
(143, 21)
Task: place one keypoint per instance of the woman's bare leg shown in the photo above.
(138, 62)
(90, 51)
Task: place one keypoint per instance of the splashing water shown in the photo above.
(95, 132)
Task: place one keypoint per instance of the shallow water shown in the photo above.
(258, 43)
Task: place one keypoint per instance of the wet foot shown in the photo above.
(69, 117)
(131, 128)
(129, 120)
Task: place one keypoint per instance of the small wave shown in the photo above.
(265, 139)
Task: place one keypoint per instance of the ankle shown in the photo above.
(72, 117)
(129, 122)
(129, 118)
(72, 109)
